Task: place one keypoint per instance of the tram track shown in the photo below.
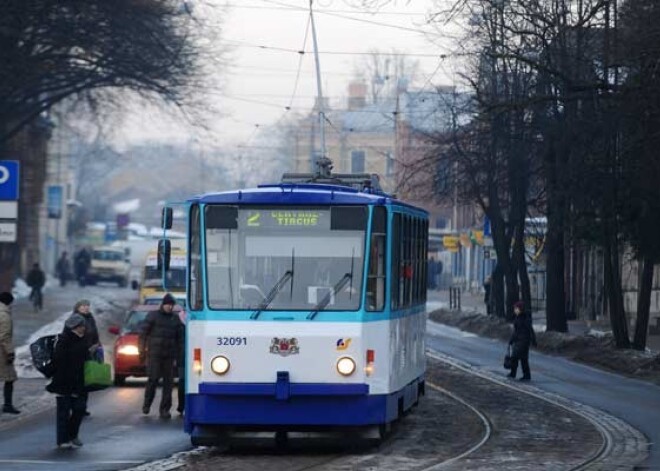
(469, 420)
(632, 444)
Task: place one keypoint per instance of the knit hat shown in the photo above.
(82, 302)
(74, 321)
(168, 299)
(6, 298)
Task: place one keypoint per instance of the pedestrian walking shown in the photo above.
(63, 268)
(488, 288)
(432, 273)
(181, 369)
(68, 381)
(92, 340)
(523, 336)
(82, 262)
(160, 341)
(7, 354)
(36, 279)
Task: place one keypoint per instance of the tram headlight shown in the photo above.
(345, 366)
(220, 365)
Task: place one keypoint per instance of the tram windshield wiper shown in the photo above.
(328, 297)
(274, 291)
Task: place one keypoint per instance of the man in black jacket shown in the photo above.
(523, 336)
(160, 343)
(36, 279)
(69, 381)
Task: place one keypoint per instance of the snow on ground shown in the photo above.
(21, 290)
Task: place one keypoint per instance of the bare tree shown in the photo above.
(53, 50)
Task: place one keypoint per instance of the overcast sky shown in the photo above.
(261, 82)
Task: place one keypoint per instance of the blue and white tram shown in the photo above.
(306, 309)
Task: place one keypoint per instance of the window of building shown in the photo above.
(357, 161)
(389, 163)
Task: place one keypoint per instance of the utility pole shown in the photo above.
(321, 110)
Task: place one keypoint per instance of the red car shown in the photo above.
(126, 354)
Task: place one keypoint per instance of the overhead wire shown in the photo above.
(360, 20)
(241, 43)
(323, 10)
(289, 106)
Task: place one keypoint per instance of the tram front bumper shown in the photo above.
(284, 403)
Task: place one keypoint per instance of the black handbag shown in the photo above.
(508, 359)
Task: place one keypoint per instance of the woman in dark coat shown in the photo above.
(523, 336)
(91, 338)
(68, 382)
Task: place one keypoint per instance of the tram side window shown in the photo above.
(195, 263)
(376, 275)
(425, 256)
(396, 262)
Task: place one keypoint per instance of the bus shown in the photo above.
(151, 279)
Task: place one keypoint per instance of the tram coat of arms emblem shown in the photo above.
(284, 347)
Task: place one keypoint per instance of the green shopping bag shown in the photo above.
(97, 375)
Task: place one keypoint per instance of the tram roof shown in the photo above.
(300, 194)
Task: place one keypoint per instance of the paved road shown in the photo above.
(117, 435)
(632, 400)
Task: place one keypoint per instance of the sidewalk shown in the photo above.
(475, 303)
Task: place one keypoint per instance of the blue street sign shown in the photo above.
(9, 180)
(487, 232)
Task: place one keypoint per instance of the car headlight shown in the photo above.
(220, 365)
(128, 350)
(345, 366)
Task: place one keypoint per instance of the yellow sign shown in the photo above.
(478, 237)
(295, 218)
(450, 243)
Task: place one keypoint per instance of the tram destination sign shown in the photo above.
(302, 219)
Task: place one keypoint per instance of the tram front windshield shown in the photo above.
(285, 259)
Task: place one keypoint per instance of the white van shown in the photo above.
(109, 264)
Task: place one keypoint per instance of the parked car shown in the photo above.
(126, 353)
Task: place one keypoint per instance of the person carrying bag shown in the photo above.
(508, 358)
(97, 375)
(523, 336)
(68, 381)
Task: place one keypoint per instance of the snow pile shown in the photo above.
(596, 348)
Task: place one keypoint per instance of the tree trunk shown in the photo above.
(555, 303)
(615, 295)
(521, 268)
(643, 304)
(8, 259)
(497, 290)
(502, 245)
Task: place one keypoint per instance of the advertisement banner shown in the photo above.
(54, 203)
